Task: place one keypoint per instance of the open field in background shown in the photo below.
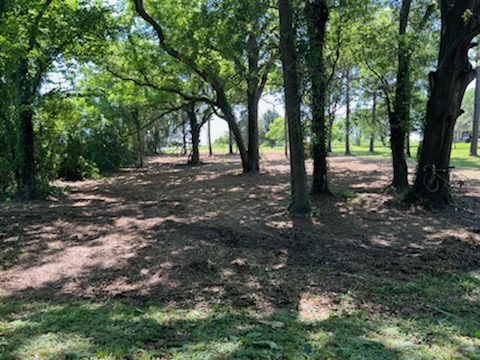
(179, 262)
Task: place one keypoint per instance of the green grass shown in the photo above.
(439, 320)
(459, 156)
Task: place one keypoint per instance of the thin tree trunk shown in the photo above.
(374, 123)
(476, 117)
(184, 138)
(299, 188)
(285, 137)
(347, 117)
(209, 134)
(136, 120)
(316, 14)
(230, 142)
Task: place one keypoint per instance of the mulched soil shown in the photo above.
(195, 236)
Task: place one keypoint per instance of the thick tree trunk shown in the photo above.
(254, 89)
(374, 123)
(399, 118)
(347, 116)
(298, 177)
(195, 134)
(253, 163)
(448, 85)
(476, 117)
(316, 14)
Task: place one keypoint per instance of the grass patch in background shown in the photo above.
(425, 318)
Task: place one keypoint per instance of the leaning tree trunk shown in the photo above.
(448, 84)
(476, 117)
(298, 177)
(316, 14)
(399, 118)
(27, 186)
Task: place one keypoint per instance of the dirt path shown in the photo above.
(192, 236)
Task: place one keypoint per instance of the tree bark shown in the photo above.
(448, 84)
(399, 118)
(209, 135)
(194, 158)
(316, 14)
(285, 137)
(347, 116)
(299, 188)
(476, 117)
(374, 123)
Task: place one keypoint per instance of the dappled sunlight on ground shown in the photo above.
(207, 235)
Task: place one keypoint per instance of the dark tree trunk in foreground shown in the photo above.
(316, 14)
(298, 177)
(476, 117)
(399, 117)
(448, 84)
(347, 116)
(27, 187)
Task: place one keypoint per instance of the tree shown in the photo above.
(299, 189)
(476, 116)
(460, 24)
(276, 131)
(42, 33)
(316, 13)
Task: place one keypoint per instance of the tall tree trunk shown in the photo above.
(448, 84)
(316, 14)
(476, 116)
(399, 118)
(27, 187)
(298, 177)
(253, 163)
(285, 137)
(253, 97)
(347, 117)
(331, 119)
(195, 134)
(209, 135)
(184, 138)
(374, 123)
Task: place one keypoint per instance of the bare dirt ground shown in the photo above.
(193, 236)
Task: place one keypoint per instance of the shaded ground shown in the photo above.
(193, 236)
